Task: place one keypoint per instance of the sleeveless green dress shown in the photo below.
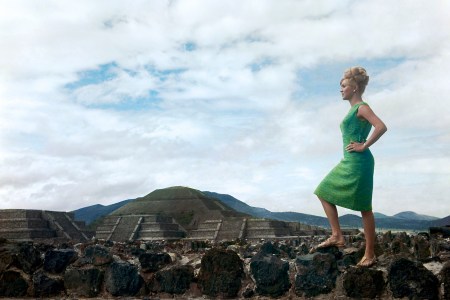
(350, 183)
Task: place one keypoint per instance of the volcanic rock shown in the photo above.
(152, 262)
(56, 261)
(316, 274)
(363, 282)
(122, 279)
(411, 279)
(221, 273)
(12, 284)
(83, 282)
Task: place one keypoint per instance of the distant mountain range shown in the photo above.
(407, 220)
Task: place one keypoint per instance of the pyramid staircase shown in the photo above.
(139, 227)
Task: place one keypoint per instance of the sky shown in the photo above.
(102, 101)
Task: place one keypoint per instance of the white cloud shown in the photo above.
(228, 112)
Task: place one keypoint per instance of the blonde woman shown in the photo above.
(350, 183)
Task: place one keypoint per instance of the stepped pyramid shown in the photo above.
(182, 212)
(163, 214)
(41, 225)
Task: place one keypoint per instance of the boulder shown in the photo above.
(12, 284)
(122, 279)
(270, 274)
(45, 286)
(23, 256)
(411, 279)
(152, 262)
(97, 255)
(56, 261)
(221, 272)
(363, 282)
(333, 250)
(316, 274)
(174, 280)
(421, 247)
(399, 247)
(268, 248)
(83, 282)
(445, 279)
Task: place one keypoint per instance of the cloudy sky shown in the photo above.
(102, 101)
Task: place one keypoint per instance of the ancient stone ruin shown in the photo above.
(41, 225)
(409, 267)
(180, 212)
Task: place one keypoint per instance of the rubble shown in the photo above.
(412, 266)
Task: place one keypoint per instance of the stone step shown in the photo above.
(23, 223)
(202, 234)
(208, 226)
(266, 231)
(27, 233)
(153, 234)
(228, 235)
(20, 213)
(159, 226)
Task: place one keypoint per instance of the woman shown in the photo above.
(350, 183)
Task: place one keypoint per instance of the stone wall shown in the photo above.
(414, 267)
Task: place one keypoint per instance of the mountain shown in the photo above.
(407, 220)
(264, 213)
(93, 212)
(441, 222)
(410, 215)
(378, 215)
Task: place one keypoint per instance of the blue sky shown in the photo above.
(104, 101)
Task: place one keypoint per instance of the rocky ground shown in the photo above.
(409, 267)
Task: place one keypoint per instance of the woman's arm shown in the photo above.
(365, 112)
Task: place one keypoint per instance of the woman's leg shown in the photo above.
(332, 215)
(369, 233)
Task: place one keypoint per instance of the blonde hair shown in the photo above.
(356, 76)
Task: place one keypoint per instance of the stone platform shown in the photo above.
(251, 229)
(139, 227)
(36, 225)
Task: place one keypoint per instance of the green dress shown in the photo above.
(350, 183)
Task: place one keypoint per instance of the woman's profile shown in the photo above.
(350, 183)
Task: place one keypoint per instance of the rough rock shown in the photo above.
(174, 279)
(122, 279)
(399, 247)
(270, 274)
(411, 279)
(12, 284)
(269, 248)
(316, 274)
(421, 247)
(220, 274)
(445, 279)
(333, 250)
(97, 255)
(45, 286)
(152, 262)
(56, 261)
(363, 282)
(83, 282)
(24, 256)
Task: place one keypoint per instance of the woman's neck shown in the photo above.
(355, 99)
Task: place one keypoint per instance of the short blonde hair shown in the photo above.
(356, 76)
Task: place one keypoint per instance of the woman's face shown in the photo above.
(346, 90)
